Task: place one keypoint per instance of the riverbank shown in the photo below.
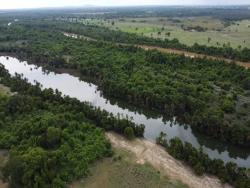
(148, 152)
(88, 92)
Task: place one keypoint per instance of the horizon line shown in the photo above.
(120, 6)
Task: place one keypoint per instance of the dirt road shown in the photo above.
(147, 151)
(192, 55)
(166, 50)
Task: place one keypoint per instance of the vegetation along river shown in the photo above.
(85, 91)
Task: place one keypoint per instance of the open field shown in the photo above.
(122, 171)
(202, 30)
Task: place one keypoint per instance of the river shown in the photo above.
(84, 91)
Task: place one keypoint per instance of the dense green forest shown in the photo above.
(213, 99)
(201, 163)
(51, 139)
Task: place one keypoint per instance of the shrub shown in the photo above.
(129, 132)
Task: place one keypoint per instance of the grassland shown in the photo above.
(215, 32)
(122, 171)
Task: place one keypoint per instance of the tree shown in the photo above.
(129, 132)
(52, 137)
(168, 34)
(199, 169)
(162, 139)
(209, 39)
(246, 83)
(228, 105)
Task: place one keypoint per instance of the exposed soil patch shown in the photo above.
(146, 151)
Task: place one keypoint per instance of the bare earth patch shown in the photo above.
(146, 151)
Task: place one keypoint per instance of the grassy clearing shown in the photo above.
(235, 35)
(122, 171)
(4, 90)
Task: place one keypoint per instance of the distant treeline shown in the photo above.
(225, 13)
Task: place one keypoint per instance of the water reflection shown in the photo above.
(154, 123)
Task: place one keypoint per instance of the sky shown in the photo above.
(13, 4)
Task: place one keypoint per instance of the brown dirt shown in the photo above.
(147, 151)
(3, 185)
(192, 55)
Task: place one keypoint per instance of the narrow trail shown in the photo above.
(146, 151)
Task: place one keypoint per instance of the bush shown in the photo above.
(228, 106)
(129, 132)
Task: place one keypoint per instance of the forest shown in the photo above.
(51, 139)
(213, 99)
